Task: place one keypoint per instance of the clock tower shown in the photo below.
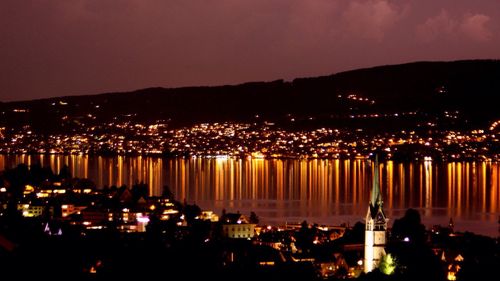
(376, 226)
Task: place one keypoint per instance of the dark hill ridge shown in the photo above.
(470, 87)
(416, 84)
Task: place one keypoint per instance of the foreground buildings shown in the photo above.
(112, 233)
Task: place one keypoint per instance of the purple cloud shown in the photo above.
(371, 19)
(443, 26)
(475, 27)
(435, 27)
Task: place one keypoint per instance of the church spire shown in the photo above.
(376, 198)
(376, 226)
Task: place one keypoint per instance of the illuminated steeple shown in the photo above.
(376, 225)
(376, 198)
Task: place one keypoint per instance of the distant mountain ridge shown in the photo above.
(469, 87)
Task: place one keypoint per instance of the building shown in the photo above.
(376, 226)
(237, 226)
(31, 210)
(208, 216)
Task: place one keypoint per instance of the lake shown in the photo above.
(291, 190)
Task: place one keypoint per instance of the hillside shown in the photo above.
(468, 89)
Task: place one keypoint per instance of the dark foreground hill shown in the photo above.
(465, 91)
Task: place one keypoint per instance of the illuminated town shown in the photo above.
(263, 139)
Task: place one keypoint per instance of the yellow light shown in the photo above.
(257, 155)
(170, 212)
(388, 265)
(42, 195)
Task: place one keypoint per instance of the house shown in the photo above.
(235, 225)
(31, 209)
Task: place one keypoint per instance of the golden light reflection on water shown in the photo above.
(495, 188)
(401, 184)
(428, 188)
(389, 182)
(323, 191)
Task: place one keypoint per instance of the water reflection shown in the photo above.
(323, 191)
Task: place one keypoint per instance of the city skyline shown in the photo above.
(59, 48)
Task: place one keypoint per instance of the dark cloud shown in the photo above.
(60, 47)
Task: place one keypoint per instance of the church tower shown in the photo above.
(376, 226)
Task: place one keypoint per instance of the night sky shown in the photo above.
(72, 47)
